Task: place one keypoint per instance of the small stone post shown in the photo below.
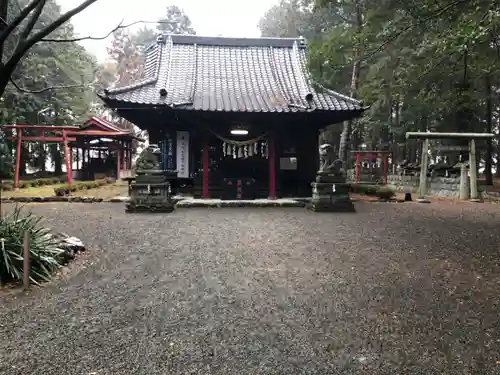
(26, 261)
(422, 188)
(464, 183)
(474, 195)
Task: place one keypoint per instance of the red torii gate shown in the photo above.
(61, 135)
(364, 154)
(64, 134)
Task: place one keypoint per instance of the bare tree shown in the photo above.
(23, 26)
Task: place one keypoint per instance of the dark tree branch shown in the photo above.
(45, 89)
(71, 40)
(18, 20)
(32, 21)
(24, 46)
(118, 27)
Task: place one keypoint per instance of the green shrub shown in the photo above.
(385, 193)
(81, 185)
(364, 189)
(23, 184)
(44, 251)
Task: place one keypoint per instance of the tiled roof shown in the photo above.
(102, 124)
(103, 127)
(229, 74)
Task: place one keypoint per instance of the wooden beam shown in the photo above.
(47, 127)
(46, 139)
(435, 135)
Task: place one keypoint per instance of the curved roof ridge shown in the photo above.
(147, 81)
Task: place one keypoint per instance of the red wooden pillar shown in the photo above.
(118, 162)
(19, 133)
(204, 162)
(125, 155)
(122, 153)
(385, 156)
(356, 168)
(129, 155)
(67, 157)
(272, 166)
(71, 159)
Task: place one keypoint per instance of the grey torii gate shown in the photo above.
(471, 137)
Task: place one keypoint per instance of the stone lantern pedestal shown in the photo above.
(330, 193)
(150, 192)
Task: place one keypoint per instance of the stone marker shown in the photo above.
(464, 182)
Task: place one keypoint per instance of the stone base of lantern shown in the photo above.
(331, 197)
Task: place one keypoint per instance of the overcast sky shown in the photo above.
(232, 18)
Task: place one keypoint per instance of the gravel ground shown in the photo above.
(393, 289)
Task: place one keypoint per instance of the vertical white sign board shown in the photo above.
(183, 154)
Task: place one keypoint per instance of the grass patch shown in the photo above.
(110, 190)
(69, 189)
(116, 189)
(39, 191)
(378, 191)
(36, 182)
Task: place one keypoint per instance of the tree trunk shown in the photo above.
(347, 127)
(56, 157)
(4, 11)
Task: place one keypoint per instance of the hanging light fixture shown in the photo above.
(239, 130)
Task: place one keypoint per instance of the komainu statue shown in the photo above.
(149, 159)
(329, 164)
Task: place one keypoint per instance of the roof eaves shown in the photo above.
(337, 94)
(107, 123)
(149, 81)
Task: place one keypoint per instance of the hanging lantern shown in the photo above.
(239, 130)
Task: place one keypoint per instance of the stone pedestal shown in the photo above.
(331, 197)
(150, 192)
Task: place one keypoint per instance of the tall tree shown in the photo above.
(175, 22)
(284, 20)
(143, 37)
(126, 56)
(411, 58)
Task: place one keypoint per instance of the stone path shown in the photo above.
(394, 288)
